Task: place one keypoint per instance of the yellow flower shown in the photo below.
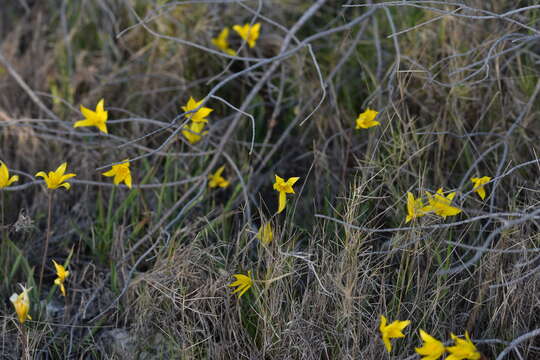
(248, 33)
(5, 180)
(440, 204)
(284, 187)
(432, 349)
(121, 173)
(217, 180)
(392, 330)
(199, 115)
(415, 208)
(21, 302)
(222, 43)
(478, 185)
(96, 118)
(56, 178)
(265, 234)
(367, 119)
(193, 132)
(242, 282)
(463, 349)
(62, 275)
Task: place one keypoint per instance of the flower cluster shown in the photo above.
(249, 33)
(431, 349)
(439, 203)
(197, 114)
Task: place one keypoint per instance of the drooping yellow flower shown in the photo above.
(249, 33)
(432, 349)
(5, 180)
(265, 234)
(243, 283)
(415, 208)
(463, 349)
(478, 185)
(97, 118)
(56, 178)
(194, 132)
(440, 204)
(222, 42)
(199, 115)
(21, 303)
(367, 119)
(391, 331)
(62, 275)
(121, 173)
(284, 187)
(217, 180)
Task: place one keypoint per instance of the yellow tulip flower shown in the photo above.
(5, 180)
(432, 349)
(284, 187)
(21, 303)
(415, 208)
(478, 185)
(193, 132)
(56, 178)
(265, 234)
(121, 173)
(199, 115)
(222, 43)
(440, 204)
(97, 118)
(217, 180)
(392, 330)
(249, 33)
(463, 349)
(367, 119)
(62, 275)
(243, 283)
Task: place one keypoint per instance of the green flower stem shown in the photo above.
(4, 232)
(3, 222)
(47, 238)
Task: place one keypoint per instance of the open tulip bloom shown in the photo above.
(97, 118)
(242, 283)
(250, 33)
(57, 178)
(367, 119)
(5, 180)
(199, 115)
(432, 349)
(121, 173)
(392, 330)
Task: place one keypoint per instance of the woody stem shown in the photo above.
(47, 237)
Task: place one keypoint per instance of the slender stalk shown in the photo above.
(25, 353)
(4, 234)
(4, 227)
(47, 238)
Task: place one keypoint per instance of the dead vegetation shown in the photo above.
(456, 85)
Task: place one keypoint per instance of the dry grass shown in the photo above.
(149, 267)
